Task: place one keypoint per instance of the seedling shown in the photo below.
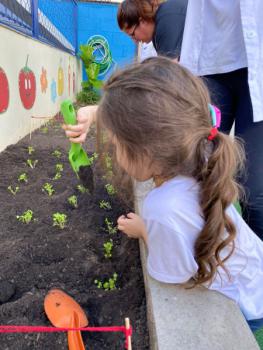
(32, 163)
(107, 285)
(48, 188)
(104, 205)
(107, 246)
(110, 189)
(82, 189)
(73, 201)
(23, 178)
(57, 176)
(30, 150)
(56, 153)
(44, 130)
(13, 190)
(59, 220)
(110, 228)
(59, 168)
(26, 217)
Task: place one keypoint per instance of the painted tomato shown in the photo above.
(60, 81)
(4, 91)
(27, 86)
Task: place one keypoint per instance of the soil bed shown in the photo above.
(36, 257)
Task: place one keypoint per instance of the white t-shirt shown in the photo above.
(174, 220)
(146, 50)
(221, 36)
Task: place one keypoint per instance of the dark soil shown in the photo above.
(36, 257)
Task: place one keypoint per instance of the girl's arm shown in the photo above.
(85, 117)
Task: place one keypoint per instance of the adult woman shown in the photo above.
(223, 42)
(156, 21)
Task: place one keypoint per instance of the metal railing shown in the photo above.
(50, 21)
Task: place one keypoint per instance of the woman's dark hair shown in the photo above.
(131, 11)
(158, 109)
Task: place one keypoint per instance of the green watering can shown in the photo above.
(78, 158)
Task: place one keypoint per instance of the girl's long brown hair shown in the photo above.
(131, 11)
(159, 109)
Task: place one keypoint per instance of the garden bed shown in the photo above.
(38, 256)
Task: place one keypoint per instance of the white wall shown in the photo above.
(15, 121)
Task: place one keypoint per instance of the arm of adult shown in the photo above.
(85, 117)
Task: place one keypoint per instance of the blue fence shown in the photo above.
(54, 22)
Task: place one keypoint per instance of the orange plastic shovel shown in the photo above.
(64, 312)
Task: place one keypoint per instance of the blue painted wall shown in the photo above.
(97, 18)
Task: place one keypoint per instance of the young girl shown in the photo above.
(159, 119)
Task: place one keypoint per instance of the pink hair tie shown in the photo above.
(216, 121)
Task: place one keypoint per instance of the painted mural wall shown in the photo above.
(97, 25)
(34, 79)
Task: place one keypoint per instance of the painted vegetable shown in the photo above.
(4, 91)
(43, 80)
(60, 81)
(27, 86)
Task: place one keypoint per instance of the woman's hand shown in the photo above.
(133, 226)
(85, 117)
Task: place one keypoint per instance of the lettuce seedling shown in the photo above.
(82, 189)
(32, 163)
(59, 168)
(107, 246)
(13, 190)
(73, 201)
(30, 150)
(26, 217)
(60, 220)
(56, 153)
(104, 205)
(48, 188)
(23, 178)
(110, 227)
(109, 284)
(110, 189)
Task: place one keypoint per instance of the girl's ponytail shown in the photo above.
(218, 190)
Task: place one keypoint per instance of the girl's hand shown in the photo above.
(133, 226)
(85, 117)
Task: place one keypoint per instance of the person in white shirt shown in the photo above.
(160, 121)
(223, 43)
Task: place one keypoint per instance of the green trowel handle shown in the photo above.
(68, 112)
(69, 116)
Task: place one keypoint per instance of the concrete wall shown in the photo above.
(101, 19)
(35, 88)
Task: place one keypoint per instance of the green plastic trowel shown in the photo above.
(78, 158)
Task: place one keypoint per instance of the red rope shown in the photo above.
(40, 329)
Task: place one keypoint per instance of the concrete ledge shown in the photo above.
(195, 319)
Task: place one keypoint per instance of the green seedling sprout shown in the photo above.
(26, 217)
(13, 190)
(110, 189)
(44, 130)
(59, 220)
(73, 201)
(104, 205)
(110, 227)
(56, 153)
(57, 176)
(109, 284)
(59, 168)
(82, 189)
(32, 163)
(107, 246)
(23, 178)
(48, 188)
(30, 150)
